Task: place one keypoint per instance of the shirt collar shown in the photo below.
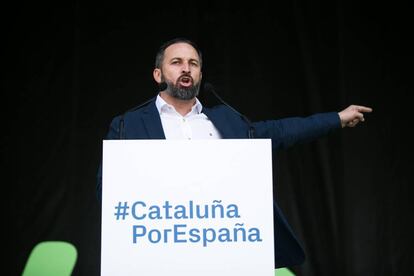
(163, 106)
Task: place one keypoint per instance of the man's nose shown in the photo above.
(185, 68)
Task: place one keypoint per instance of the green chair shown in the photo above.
(283, 272)
(51, 258)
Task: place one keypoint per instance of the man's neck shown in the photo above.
(181, 106)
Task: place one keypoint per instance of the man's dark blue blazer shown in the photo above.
(145, 123)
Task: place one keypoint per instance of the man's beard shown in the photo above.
(183, 93)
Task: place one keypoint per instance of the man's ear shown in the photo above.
(157, 75)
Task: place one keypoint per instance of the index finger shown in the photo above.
(364, 108)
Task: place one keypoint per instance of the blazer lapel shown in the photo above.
(152, 122)
(221, 123)
(153, 125)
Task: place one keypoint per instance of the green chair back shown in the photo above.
(51, 258)
(283, 272)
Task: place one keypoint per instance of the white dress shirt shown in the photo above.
(194, 125)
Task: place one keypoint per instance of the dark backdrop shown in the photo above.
(68, 69)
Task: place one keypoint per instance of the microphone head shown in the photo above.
(208, 87)
(162, 86)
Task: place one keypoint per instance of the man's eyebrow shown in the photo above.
(180, 58)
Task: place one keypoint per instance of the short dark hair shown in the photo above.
(160, 54)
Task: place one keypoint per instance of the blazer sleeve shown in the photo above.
(287, 132)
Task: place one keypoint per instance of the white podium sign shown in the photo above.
(181, 208)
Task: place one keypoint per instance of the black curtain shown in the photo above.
(68, 69)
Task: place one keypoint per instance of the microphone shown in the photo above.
(210, 88)
(161, 87)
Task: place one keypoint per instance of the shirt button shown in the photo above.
(183, 119)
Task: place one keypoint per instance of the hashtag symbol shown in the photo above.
(121, 210)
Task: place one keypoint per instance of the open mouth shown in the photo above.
(185, 81)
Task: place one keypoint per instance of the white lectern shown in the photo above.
(181, 208)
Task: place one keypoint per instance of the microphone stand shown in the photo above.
(209, 87)
(121, 130)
